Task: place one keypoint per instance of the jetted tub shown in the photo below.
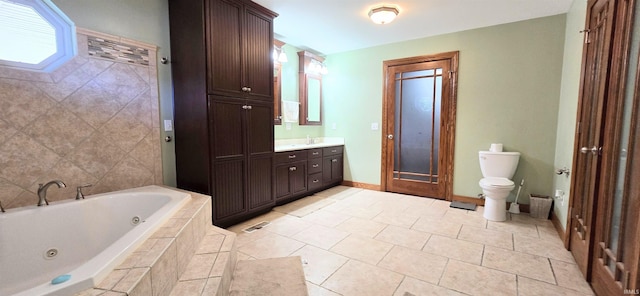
(82, 238)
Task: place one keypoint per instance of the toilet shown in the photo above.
(497, 169)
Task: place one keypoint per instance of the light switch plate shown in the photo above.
(168, 125)
(374, 126)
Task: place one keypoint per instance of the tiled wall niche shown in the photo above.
(93, 120)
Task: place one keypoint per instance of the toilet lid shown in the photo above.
(496, 182)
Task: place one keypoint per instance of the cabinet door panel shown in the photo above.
(228, 195)
(298, 178)
(224, 73)
(227, 125)
(260, 129)
(258, 46)
(282, 181)
(260, 182)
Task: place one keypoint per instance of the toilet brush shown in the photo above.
(514, 208)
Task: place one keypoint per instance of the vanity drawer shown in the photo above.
(314, 153)
(332, 150)
(314, 181)
(290, 156)
(314, 165)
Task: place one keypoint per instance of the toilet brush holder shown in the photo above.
(514, 208)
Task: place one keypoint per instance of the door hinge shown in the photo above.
(586, 35)
(450, 74)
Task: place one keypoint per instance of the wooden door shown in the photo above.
(418, 120)
(616, 247)
(224, 50)
(586, 163)
(259, 141)
(229, 158)
(258, 59)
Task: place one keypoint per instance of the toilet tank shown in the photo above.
(498, 164)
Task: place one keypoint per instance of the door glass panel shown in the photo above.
(417, 125)
(614, 239)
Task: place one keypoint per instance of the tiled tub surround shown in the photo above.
(83, 239)
(186, 256)
(299, 144)
(93, 120)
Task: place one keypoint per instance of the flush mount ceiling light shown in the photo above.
(383, 14)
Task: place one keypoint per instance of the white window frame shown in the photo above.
(66, 45)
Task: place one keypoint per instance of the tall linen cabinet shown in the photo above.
(222, 74)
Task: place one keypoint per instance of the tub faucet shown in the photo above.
(42, 191)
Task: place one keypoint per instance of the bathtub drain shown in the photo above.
(49, 254)
(135, 220)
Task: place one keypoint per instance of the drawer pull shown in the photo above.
(334, 151)
(315, 165)
(315, 153)
(293, 169)
(292, 156)
(334, 160)
(315, 181)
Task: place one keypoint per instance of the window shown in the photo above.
(36, 35)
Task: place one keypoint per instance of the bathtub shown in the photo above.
(82, 238)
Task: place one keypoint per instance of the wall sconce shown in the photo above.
(279, 56)
(383, 14)
(317, 67)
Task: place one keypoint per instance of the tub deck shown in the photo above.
(187, 251)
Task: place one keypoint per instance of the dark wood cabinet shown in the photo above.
(302, 172)
(290, 174)
(332, 166)
(222, 75)
(241, 55)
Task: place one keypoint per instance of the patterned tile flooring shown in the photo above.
(362, 242)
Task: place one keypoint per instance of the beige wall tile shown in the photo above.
(21, 102)
(23, 160)
(164, 273)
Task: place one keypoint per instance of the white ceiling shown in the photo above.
(331, 26)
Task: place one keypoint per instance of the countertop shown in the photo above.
(300, 144)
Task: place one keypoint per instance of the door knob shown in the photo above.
(585, 150)
(390, 137)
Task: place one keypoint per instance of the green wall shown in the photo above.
(142, 20)
(508, 92)
(568, 103)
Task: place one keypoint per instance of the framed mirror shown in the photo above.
(277, 80)
(311, 68)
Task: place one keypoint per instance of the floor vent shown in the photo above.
(256, 227)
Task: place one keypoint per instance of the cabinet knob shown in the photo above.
(315, 181)
(293, 169)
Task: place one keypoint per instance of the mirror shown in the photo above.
(277, 80)
(314, 95)
(310, 72)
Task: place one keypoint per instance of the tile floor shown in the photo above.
(361, 242)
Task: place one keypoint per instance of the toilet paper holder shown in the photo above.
(563, 171)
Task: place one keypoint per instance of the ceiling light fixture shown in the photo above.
(383, 14)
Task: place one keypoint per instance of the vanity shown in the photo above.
(304, 167)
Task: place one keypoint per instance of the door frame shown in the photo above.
(452, 57)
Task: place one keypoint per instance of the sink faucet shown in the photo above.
(42, 191)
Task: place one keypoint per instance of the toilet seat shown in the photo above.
(496, 183)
